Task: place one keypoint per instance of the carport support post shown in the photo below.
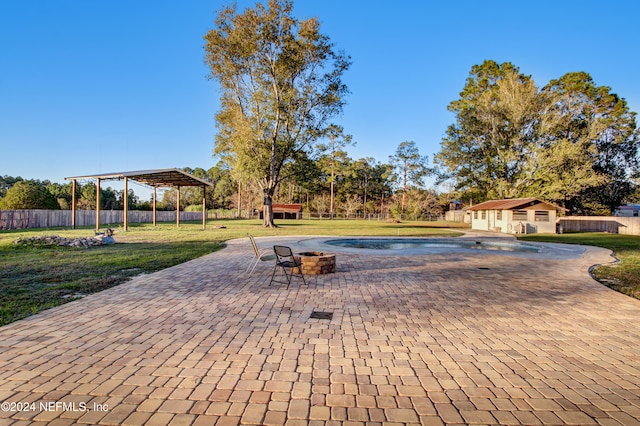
(126, 204)
(73, 204)
(204, 207)
(98, 205)
(155, 197)
(178, 207)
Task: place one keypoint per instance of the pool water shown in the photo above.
(409, 243)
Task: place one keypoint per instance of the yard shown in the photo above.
(36, 278)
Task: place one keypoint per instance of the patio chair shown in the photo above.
(259, 256)
(288, 264)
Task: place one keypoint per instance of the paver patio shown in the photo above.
(428, 339)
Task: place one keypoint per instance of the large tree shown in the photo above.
(497, 116)
(281, 83)
(335, 161)
(590, 146)
(410, 168)
(370, 180)
(62, 193)
(572, 142)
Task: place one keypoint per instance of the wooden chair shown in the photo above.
(259, 256)
(286, 262)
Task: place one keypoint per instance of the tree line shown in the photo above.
(333, 184)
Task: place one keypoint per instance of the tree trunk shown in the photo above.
(239, 199)
(267, 212)
(404, 187)
(331, 208)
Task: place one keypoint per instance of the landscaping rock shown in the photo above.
(55, 240)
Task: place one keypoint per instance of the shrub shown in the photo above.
(28, 195)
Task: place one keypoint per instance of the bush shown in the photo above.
(28, 195)
(193, 208)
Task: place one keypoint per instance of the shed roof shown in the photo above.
(290, 208)
(156, 178)
(512, 203)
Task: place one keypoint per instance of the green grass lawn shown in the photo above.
(623, 276)
(37, 278)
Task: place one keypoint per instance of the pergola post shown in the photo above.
(73, 204)
(204, 207)
(98, 205)
(126, 204)
(155, 197)
(178, 206)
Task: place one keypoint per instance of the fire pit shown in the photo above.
(317, 263)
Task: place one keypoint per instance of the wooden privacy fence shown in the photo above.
(23, 219)
(610, 224)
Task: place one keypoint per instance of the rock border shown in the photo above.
(55, 240)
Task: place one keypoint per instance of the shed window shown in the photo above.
(519, 215)
(475, 214)
(499, 215)
(542, 215)
(484, 214)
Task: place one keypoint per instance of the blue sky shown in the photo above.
(91, 87)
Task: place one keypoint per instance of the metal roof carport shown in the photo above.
(159, 178)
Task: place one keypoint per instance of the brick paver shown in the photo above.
(436, 338)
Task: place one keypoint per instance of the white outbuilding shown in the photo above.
(516, 216)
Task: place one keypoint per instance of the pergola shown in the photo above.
(160, 178)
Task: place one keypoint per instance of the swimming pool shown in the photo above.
(412, 243)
